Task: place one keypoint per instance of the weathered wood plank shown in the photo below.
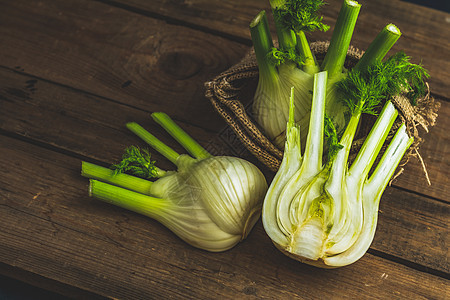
(425, 37)
(57, 289)
(415, 225)
(91, 126)
(111, 52)
(435, 151)
(50, 227)
(83, 124)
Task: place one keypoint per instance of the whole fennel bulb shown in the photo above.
(210, 202)
(293, 64)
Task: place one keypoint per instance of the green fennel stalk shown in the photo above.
(340, 40)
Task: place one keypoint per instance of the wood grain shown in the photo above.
(56, 288)
(51, 227)
(140, 61)
(86, 125)
(435, 152)
(414, 226)
(425, 35)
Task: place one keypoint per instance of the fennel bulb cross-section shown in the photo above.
(211, 202)
(325, 214)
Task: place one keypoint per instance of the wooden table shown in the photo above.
(72, 73)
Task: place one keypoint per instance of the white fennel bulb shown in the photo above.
(211, 202)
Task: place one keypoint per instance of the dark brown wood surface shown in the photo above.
(72, 73)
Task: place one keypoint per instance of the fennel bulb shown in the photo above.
(325, 214)
(210, 202)
(293, 64)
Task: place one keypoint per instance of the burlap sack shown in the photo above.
(232, 91)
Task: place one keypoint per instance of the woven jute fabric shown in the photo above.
(226, 93)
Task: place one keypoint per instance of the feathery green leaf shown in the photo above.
(331, 139)
(278, 57)
(362, 92)
(406, 77)
(301, 15)
(137, 162)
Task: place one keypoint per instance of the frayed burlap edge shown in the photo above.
(225, 90)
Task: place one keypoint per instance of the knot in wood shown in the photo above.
(180, 65)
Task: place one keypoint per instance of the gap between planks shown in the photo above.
(78, 90)
(178, 22)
